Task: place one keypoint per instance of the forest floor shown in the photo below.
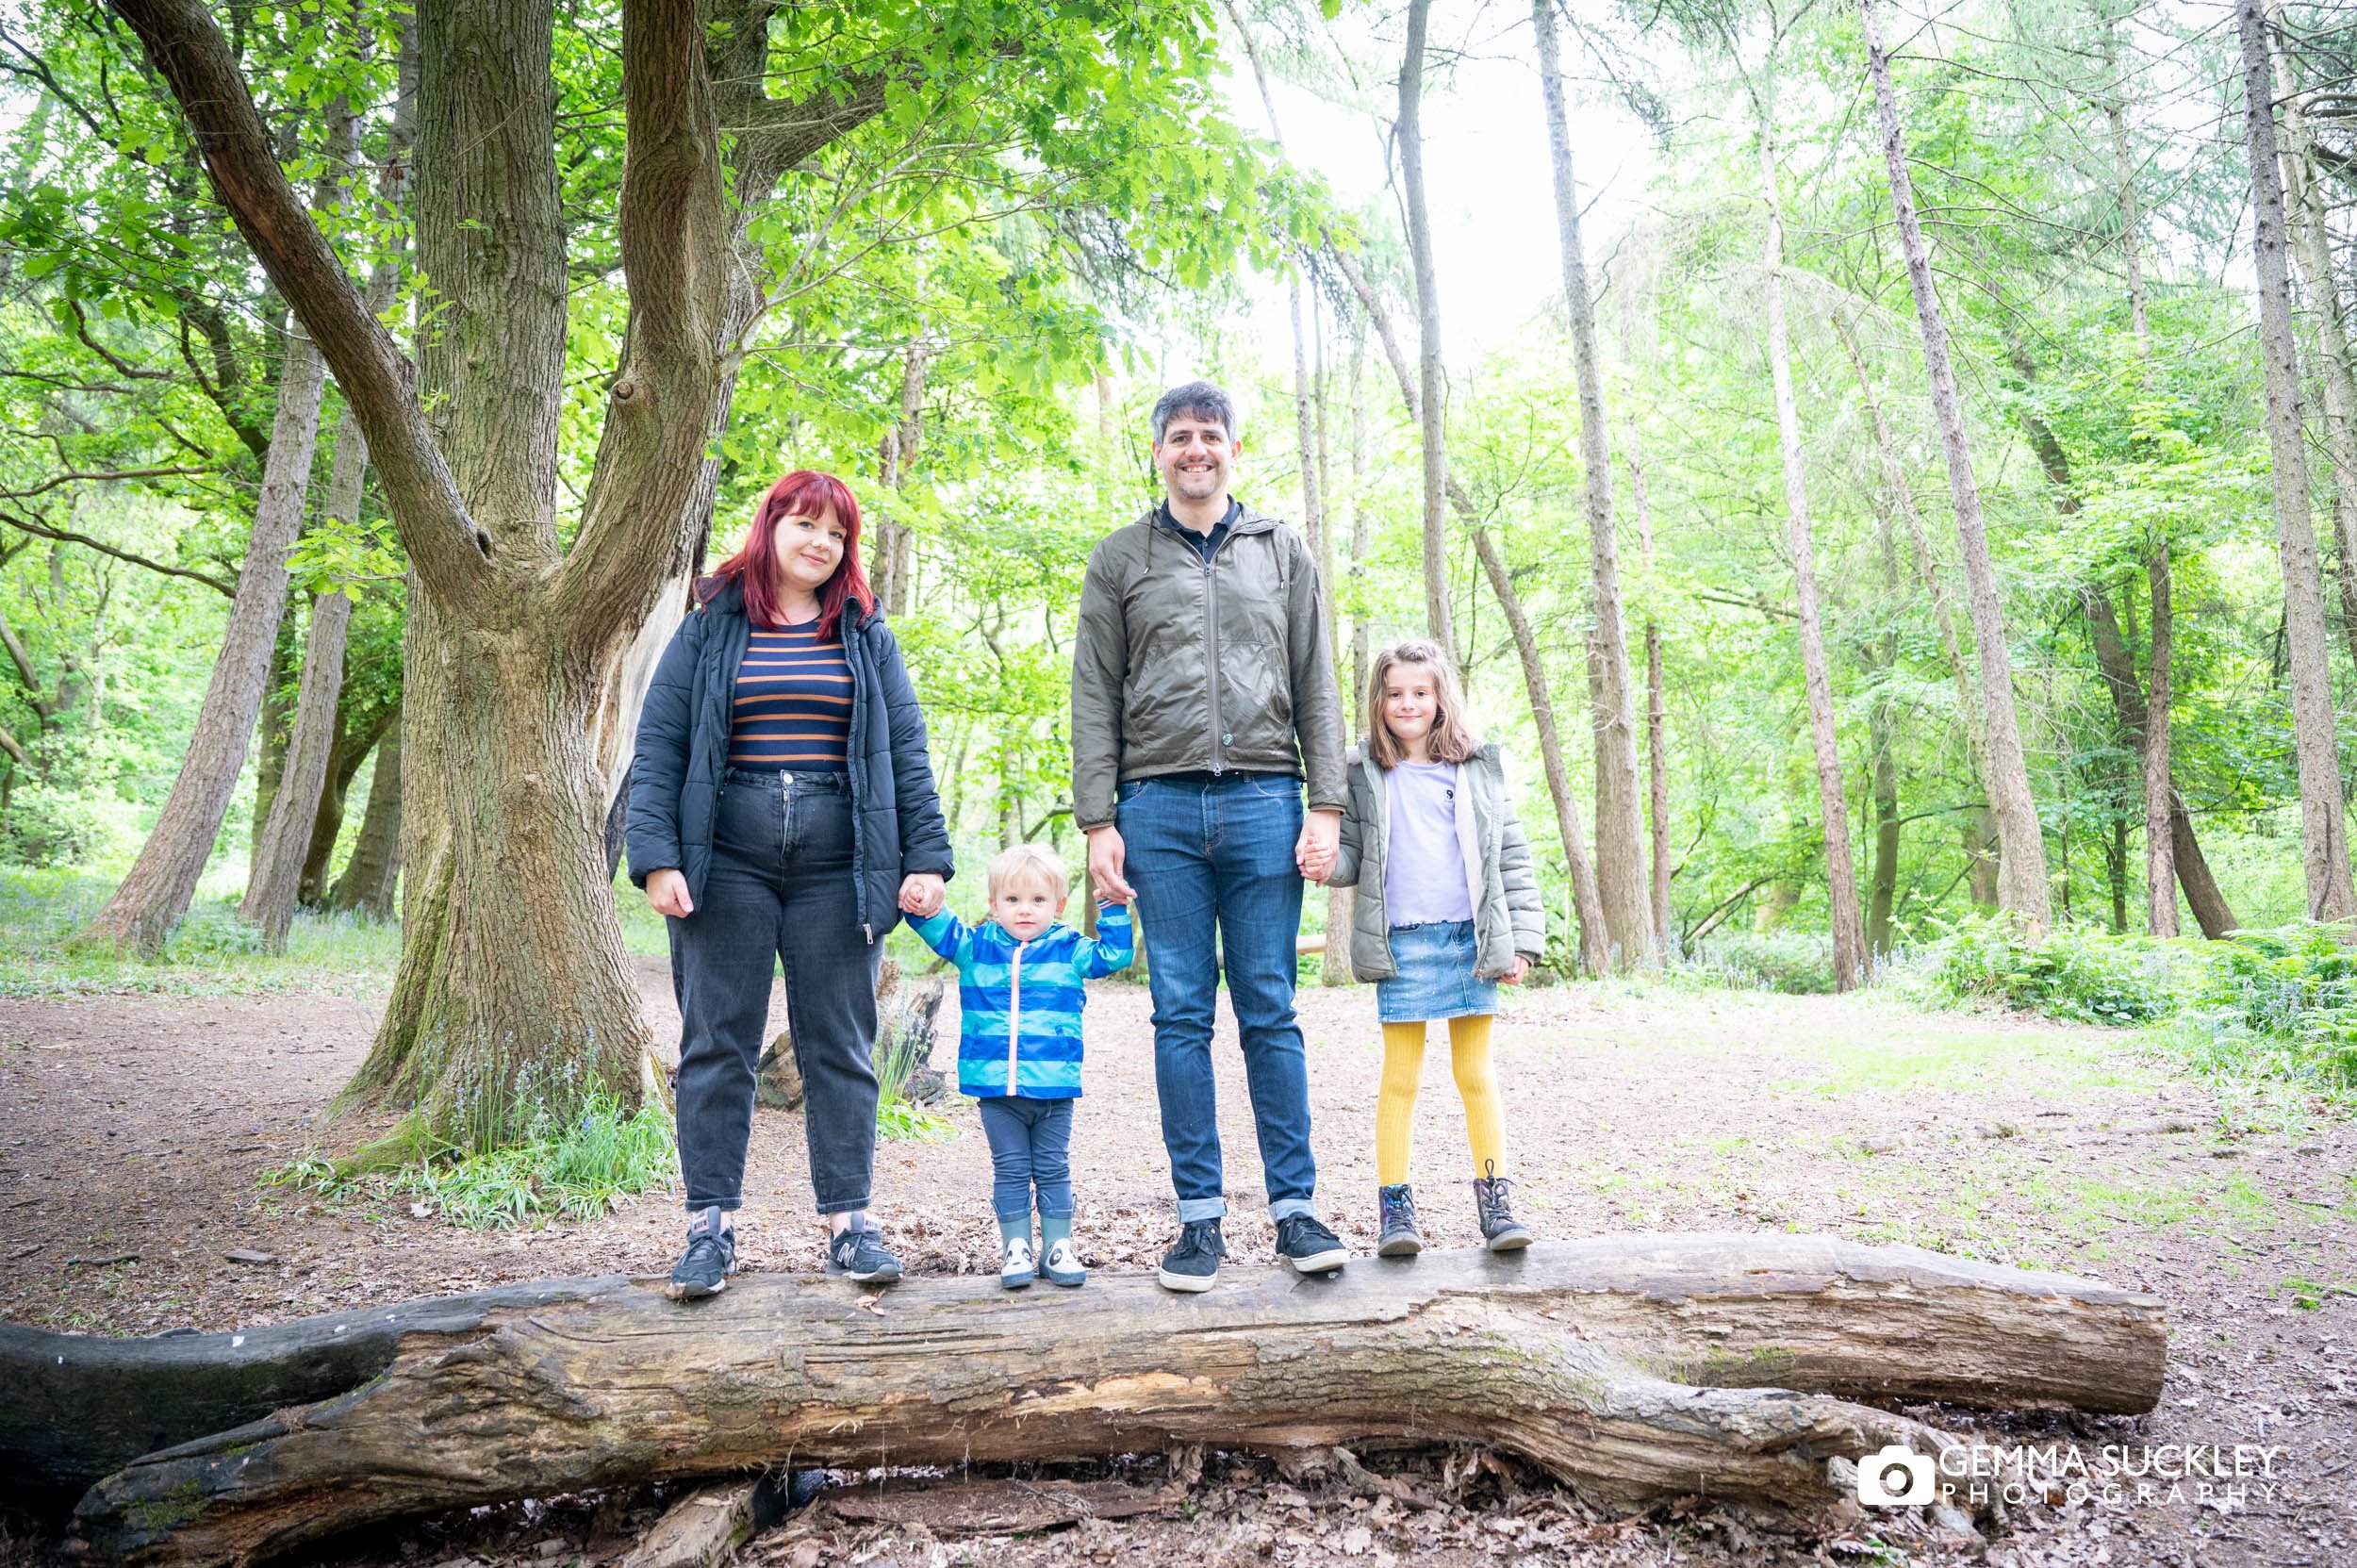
(134, 1129)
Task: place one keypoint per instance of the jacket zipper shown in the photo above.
(1015, 1012)
(1210, 643)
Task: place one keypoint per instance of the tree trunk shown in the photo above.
(2311, 239)
(896, 454)
(1656, 710)
(1629, 910)
(2324, 835)
(1851, 961)
(369, 876)
(151, 901)
(1883, 896)
(2022, 847)
(1430, 401)
(279, 704)
(2160, 792)
(1636, 1368)
(1361, 527)
(2112, 659)
(276, 873)
(1595, 951)
(354, 742)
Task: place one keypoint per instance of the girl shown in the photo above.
(1446, 907)
(782, 807)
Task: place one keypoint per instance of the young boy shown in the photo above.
(1019, 995)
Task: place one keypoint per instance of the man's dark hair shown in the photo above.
(1199, 399)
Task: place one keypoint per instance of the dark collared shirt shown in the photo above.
(1206, 545)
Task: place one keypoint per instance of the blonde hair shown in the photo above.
(1027, 863)
(1452, 739)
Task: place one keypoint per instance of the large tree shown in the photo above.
(512, 996)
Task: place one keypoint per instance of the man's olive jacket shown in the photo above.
(1184, 665)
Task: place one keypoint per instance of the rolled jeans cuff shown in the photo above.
(1192, 1209)
(843, 1206)
(1289, 1208)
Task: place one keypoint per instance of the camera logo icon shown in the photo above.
(1895, 1477)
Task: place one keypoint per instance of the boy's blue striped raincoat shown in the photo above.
(1019, 1003)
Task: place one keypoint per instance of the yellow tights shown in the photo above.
(1477, 1083)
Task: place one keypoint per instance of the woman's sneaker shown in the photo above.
(1192, 1262)
(704, 1268)
(1016, 1269)
(1063, 1264)
(1310, 1246)
(1500, 1230)
(859, 1254)
(1396, 1223)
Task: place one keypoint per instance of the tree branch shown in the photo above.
(55, 480)
(185, 46)
(66, 535)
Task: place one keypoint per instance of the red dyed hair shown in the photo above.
(803, 493)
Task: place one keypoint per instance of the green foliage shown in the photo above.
(2277, 1004)
(894, 1057)
(592, 1165)
(2074, 973)
(1798, 964)
(211, 953)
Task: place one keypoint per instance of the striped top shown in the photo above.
(1019, 1003)
(793, 706)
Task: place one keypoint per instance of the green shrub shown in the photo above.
(2277, 1004)
(2074, 973)
(605, 1156)
(1795, 962)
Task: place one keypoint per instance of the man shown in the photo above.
(1201, 698)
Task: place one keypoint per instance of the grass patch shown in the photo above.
(212, 952)
(592, 1166)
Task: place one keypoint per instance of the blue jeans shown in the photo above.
(1031, 1145)
(780, 888)
(1214, 861)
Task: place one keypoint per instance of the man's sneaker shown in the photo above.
(1192, 1262)
(1016, 1269)
(1063, 1264)
(704, 1268)
(1500, 1230)
(1311, 1247)
(1395, 1221)
(859, 1254)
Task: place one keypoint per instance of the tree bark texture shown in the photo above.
(369, 876)
(153, 897)
(1621, 878)
(1851, 961)
(2324, 834)
(2160, 791)
(357, 731)
(1882, 896)
(2311, 237)
(275, 877)
(1656, 716)
(1637, 1369)
(1432, 400)
(2021, 888)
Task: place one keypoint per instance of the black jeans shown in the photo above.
(780, 888)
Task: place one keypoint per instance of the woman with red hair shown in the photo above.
(781, 808)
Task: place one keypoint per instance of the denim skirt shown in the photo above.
(1434, 977)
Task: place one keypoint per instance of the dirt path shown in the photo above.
(132, 1130)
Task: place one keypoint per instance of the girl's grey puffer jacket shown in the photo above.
(1509, 917)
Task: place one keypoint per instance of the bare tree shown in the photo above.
(2324, 834)
(1851, 961)
(1628, 912)
(2021, 888)
(1432, 399)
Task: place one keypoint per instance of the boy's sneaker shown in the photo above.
(1500, 1230)
(1063, 1264)
(704, 1268)
(859, 1254)
(1016, 1269)
(1395, 1220)
(1192, 1262)
(1310, 1246)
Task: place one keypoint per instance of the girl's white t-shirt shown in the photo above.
(1424, 861)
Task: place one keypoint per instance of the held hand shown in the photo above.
(1520, 967)
(921, 894)
(1105, 855)
(1313, 851)
(667, 890)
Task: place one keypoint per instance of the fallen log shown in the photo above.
(1633, 1367)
